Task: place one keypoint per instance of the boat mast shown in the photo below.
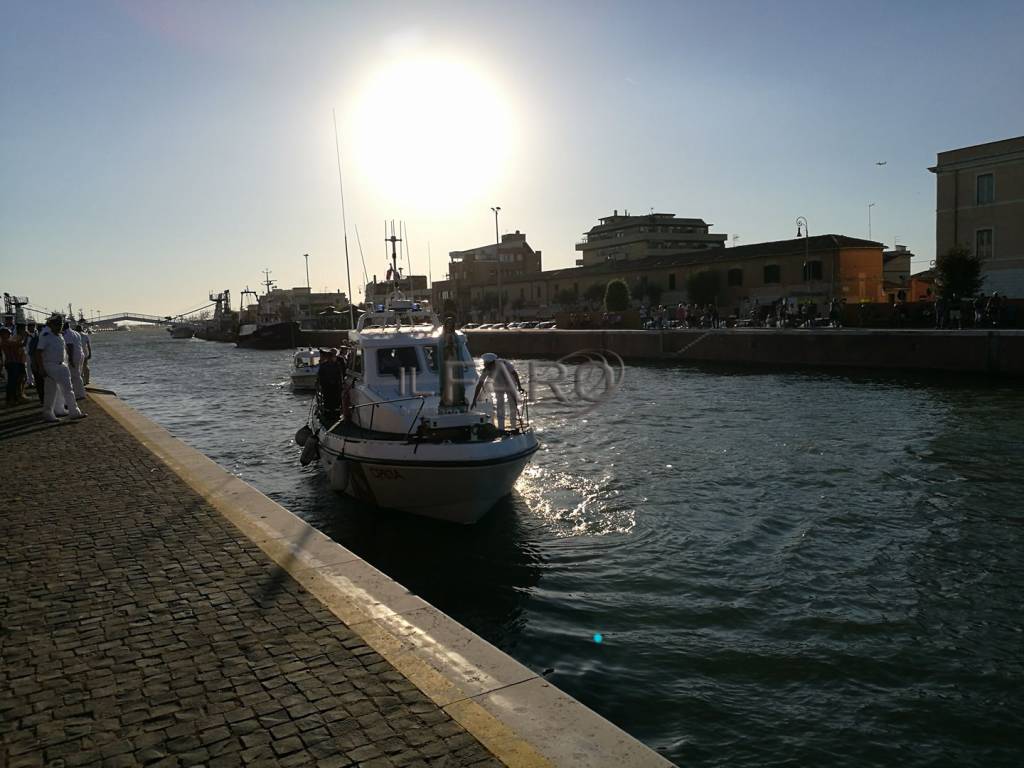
(395, 272)
(344, 225)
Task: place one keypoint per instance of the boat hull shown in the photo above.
(427, 479)
(274, 336)
(304, 382)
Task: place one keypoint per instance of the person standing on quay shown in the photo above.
(76, 356)
(87, 348)
(51, 356)
(38, 376)
(13, 350)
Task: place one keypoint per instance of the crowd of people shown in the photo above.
(53, 358)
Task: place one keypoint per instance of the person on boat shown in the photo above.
(505, 384)
(329, 378)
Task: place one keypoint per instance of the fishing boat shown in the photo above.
(305, 364)
(404, 437)
(181, 331)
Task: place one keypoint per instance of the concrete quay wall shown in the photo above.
(988, 352)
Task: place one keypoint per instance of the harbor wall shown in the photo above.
(975, 351)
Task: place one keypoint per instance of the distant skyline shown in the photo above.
(153, 152)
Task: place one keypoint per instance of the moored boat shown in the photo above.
(305, 365)
(403, 436)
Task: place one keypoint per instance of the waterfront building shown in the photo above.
(801, 269)
(633, 238)
(980, 205)
(472, 281)
(284, 304)
(896, 270)
(413, 287)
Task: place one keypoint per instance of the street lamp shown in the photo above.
(497, 255)
(802, 221)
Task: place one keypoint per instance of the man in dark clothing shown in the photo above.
(330, 378)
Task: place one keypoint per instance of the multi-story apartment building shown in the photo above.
(473, 274)
(980, 205)
(627, 238)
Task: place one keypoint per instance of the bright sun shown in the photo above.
(432, 133)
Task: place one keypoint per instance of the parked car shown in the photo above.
(470, 326)
(528, 324)
(546, 324)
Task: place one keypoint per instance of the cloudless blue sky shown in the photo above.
(153, 151)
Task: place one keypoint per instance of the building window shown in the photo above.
(986, 188)
(812, 270)
(983, 244)
(672, 281)
(736, 277)
(772, 274)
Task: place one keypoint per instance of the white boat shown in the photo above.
(305, 365)
(405, 438)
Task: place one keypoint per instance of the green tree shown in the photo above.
(958, 273)
(616, 296)
(703, 287)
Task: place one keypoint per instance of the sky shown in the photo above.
(152, 152)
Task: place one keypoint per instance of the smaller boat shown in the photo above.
(305, 366)
(181, 331)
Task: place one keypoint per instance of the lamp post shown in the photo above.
(497, 255)
(802, 221)
(870, 206)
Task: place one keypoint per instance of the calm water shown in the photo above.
(786, 568)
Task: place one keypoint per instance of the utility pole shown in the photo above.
(497, 255)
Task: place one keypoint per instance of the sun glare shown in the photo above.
(432, 133)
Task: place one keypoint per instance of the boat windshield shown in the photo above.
(390, 360)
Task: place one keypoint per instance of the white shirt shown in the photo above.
(52, 347)
(73, 338)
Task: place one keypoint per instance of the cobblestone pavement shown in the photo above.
(137, 626)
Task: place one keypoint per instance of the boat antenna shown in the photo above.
(267, 282)
(361, 257)
(344, 224)
(408, 258)
(394, 271)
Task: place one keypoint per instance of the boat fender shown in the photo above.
(310, 451)
(338, 476)
(303, 435)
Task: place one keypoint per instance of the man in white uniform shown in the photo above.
(76, 356)
(504, 382)
(87, 347)
(51, 356)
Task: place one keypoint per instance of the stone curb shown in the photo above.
(516, 714)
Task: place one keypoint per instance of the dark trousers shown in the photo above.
(15, 381)
(40, 380)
